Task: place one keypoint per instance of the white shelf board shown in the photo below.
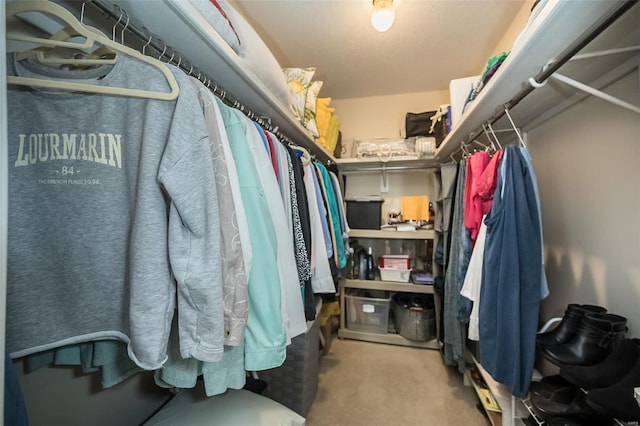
(180, 26)
(544, 39)
(502, 395)
(424, 234)
(391, 339)
(494, 417)
(376, 164)
(388, 286)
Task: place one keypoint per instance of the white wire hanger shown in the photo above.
(515, 129)
(494, 139)
(90, 39)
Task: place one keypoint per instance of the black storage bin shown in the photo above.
(418, 124)
(364, 214)
(295, 383)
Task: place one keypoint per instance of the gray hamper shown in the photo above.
(294, 384)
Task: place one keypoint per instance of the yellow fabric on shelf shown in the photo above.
(323, 119)
(323, 115)
(332, 134)
(415, 207)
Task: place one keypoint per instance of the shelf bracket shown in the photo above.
(384, 180)
(595, 92)
(584, 87)
(606, 52)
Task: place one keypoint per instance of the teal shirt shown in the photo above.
(265, 336)
(335, 215)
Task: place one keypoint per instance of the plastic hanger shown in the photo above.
(95, 58)
(16, 7)
(305, 157)
(463, 148)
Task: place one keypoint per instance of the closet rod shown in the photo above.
(557, 63)
(172, 56)
(364, 169)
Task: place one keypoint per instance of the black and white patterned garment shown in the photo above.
(302, 259)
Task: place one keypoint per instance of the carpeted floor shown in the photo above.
(375, 384)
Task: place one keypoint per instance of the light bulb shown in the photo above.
(383, 15)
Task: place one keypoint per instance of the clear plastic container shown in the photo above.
(368, 314)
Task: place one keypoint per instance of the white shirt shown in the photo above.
(473, 281)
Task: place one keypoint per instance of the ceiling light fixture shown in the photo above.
(382, 15)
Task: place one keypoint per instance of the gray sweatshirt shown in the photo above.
(112, 217)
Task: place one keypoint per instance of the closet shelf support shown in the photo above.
(595, 92)
(606, 52)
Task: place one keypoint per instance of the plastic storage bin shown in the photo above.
(395, 261)
(397, 275)
(369, 314)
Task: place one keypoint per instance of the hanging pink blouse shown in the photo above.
(486, 184)
(472, 201)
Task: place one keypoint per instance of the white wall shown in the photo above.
(517, 25)
(378, 117)
(587, 162)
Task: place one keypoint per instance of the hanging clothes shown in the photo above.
(454, 334)
(15, 411)
(483, 189)
(544, 287)
(272, 142)
(344, 226)
(335, 222)
(511, 277)
(291, 305)
(301, 210)
(472, 285)
(265, 336)
(321, 279)
(108, 357)
(183, 373)
(234, 277)
(323, 210)
(299, 217)
(472, 201)
(486, 184)
(134, 200)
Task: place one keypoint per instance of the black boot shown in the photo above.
(614, 367)
(548, 385)
(598, 336)
(568, 327)
(618, 400)
(567, 401)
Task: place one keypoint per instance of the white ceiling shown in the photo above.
(430, 43)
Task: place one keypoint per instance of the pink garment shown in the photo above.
(272, 154)
(217, 6)
(472, 201)
(486, 184)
